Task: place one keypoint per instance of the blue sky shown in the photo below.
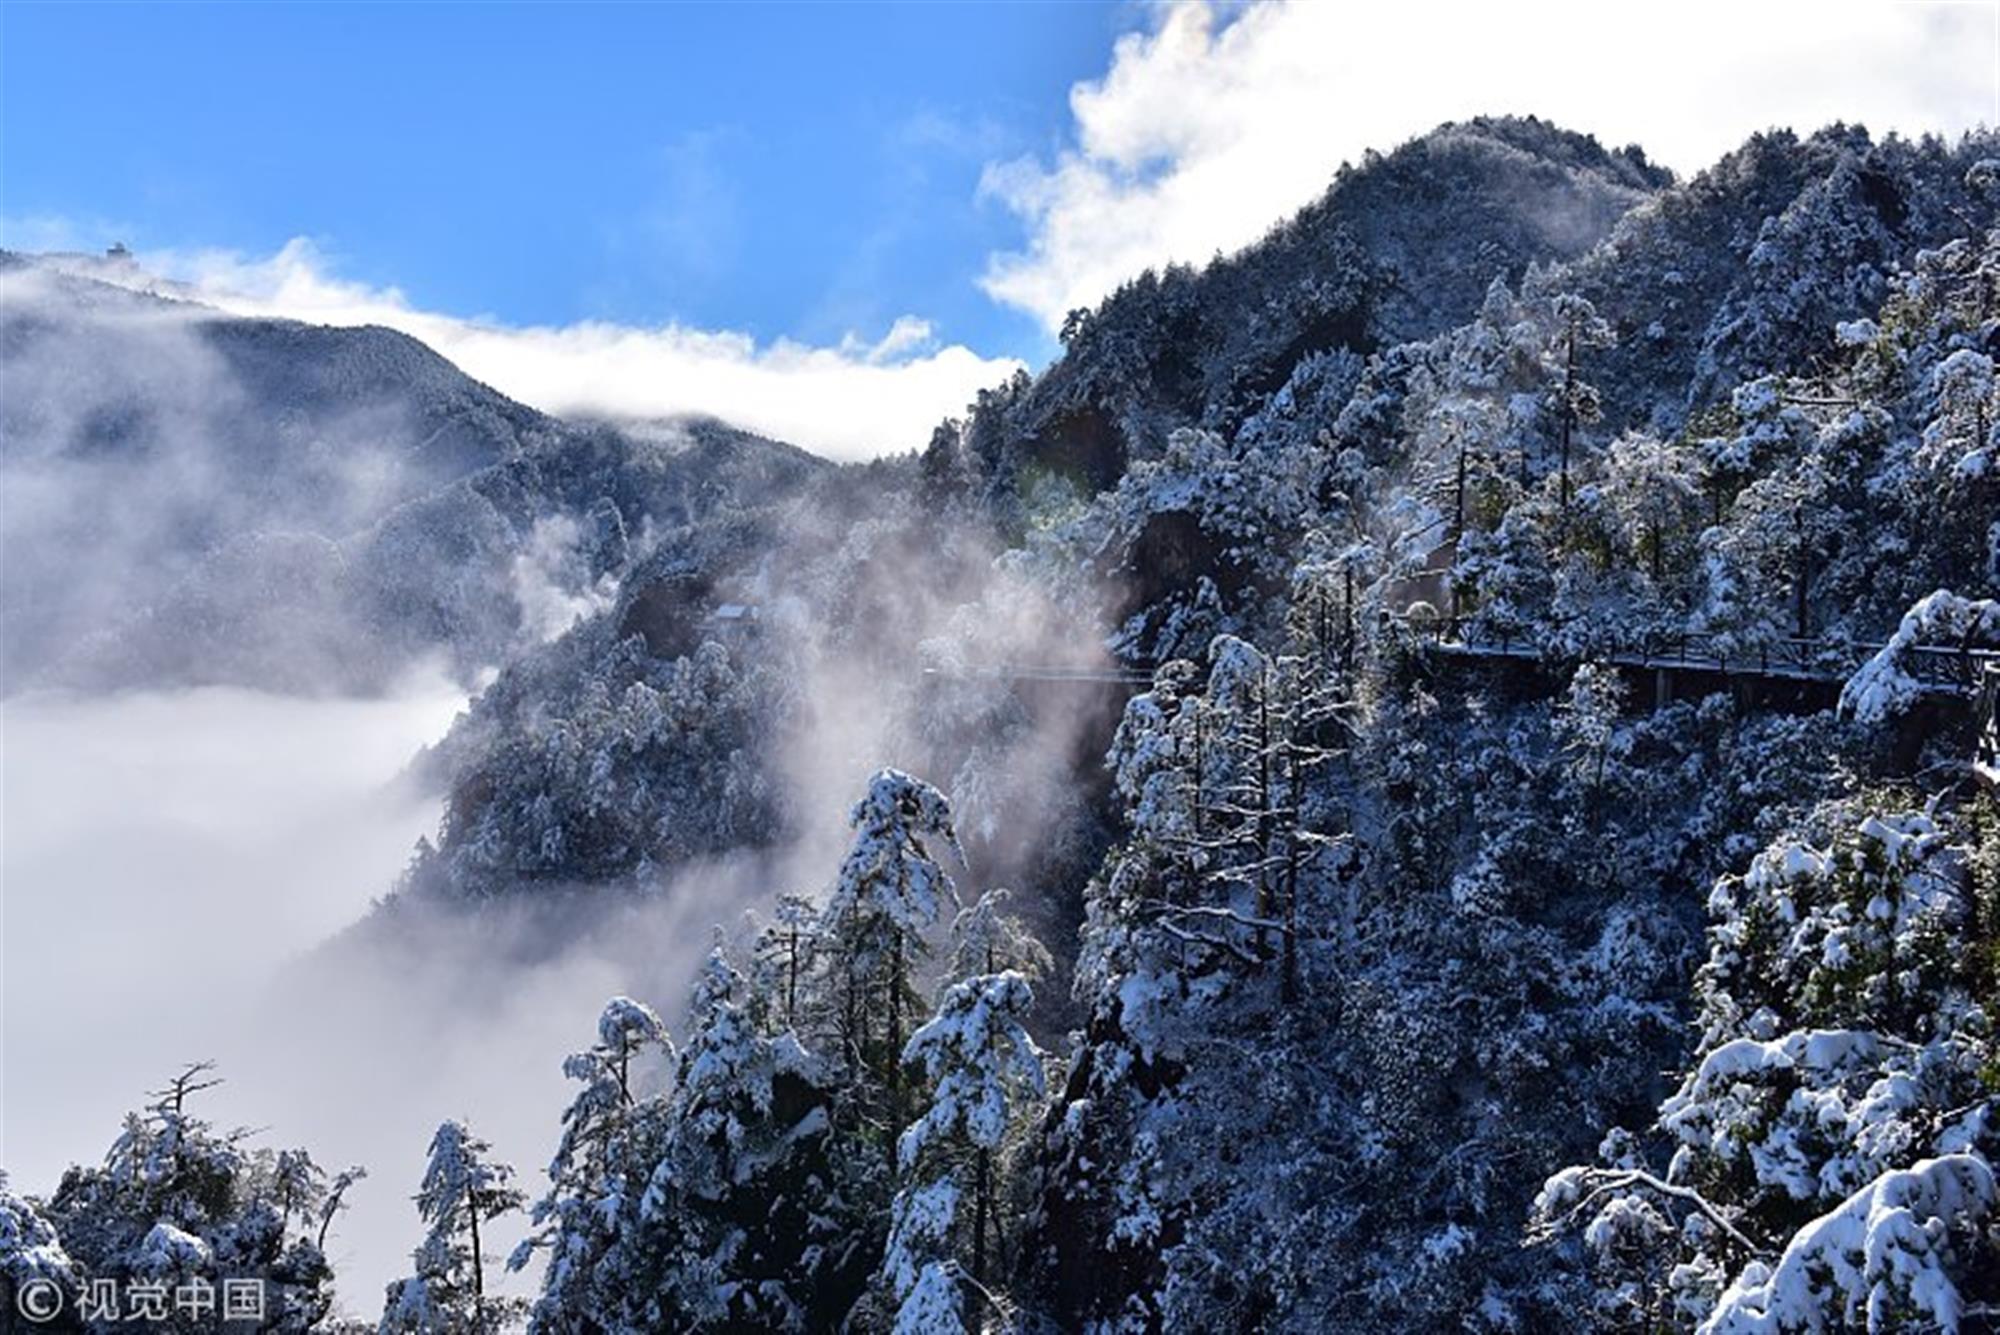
(835, 223)
(799, 170)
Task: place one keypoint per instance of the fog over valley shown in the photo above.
(168, 857)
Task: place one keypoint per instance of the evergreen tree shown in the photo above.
(1831, 1147)
(1267, 727)
(462, 1192)
(983, 1071)
(591, 1179)
(923, 1287)
(889, 893)
(783, 960)
(32, 1257)
(986, 939)
(741, 1226)
(1575, 402)
(334, 1200)
(180, 1204)
(943, 469)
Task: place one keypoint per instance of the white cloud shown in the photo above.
(856, 400)
(1202, 133)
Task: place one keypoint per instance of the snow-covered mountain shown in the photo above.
(198, 497)
(1287, 834)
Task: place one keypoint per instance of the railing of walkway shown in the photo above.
(1938, 667)
(1961, 671)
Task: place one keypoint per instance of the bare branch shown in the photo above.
(1605, 1181)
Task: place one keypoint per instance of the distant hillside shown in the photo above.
(202, 497)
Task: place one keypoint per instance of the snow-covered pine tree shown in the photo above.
(593, 1179)
(32, 1256)
(741, 1225)
(334, 1200)
(944, 470)
(463, 1190)
(986, 939)
(1828, 1156)
(984, 1074)
(1575, 328)
(1267, 726)
(889, 893)
(178, 1202)
(297, 1183)
(1586, 727)
(782, 961)
(1649, 493)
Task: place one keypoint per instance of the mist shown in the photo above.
(177, 488)
(165, 856)
(858, 398)
(206, 872)
(193, 874)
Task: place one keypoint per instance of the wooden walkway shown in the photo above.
(1942, 672)
(1938, 669)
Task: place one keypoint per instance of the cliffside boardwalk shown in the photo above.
(1938, 669)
